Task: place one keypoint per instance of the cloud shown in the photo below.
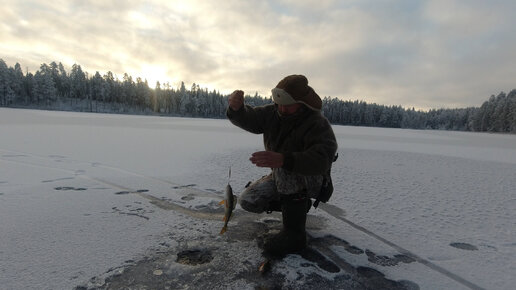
(426, 54)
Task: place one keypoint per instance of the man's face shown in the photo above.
(287, 110)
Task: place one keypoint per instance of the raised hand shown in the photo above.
(236, 100)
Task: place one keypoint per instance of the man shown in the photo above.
(300, 147)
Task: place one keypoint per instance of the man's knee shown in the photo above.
(251, 206)
(257, 196)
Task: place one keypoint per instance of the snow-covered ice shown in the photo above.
(85, 195)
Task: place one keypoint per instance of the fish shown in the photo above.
(230, 201)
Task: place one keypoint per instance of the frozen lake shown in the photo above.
(86, 195)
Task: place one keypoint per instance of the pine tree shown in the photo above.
(511, 108)
(5, 87)
(63, 85)
(44, 88)
(17, 84)
(77, 82)
(110, 88)
(97, 89)
(498, 114)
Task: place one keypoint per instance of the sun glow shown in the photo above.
(153, 73)
(141, 20)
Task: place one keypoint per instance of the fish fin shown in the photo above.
(235, 201)
(223, 230)
(264, 267)
(222, 202)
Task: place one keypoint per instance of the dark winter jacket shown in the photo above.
(306, 139)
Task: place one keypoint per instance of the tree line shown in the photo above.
(52, 87)
(498, 114)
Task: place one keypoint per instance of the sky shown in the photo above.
(422, 54)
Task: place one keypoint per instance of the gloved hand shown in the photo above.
(236, 100)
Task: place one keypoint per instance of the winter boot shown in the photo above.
(292, 238)
(275, 205)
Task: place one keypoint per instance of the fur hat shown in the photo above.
(295, 89)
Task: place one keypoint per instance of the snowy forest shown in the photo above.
(52, 87)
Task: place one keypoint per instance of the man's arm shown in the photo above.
(315, 159)
(252, 119)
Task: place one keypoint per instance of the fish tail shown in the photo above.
(224, 229)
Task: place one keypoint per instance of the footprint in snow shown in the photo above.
(464, 246)
(122, 192)
(184, 186)
(187, 197)
(128, 192)
(65, 188)
(387, 261)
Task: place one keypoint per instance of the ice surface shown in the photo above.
(82, 195)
